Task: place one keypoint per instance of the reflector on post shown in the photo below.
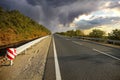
(11, 53)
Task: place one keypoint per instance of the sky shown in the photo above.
(63, 15)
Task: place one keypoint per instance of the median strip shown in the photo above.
(107, 54)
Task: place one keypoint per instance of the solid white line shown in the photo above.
(57, 68)
(76, 42)
(107, 54)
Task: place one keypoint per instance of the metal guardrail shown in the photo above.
(28, 45)
(113, 41)
(102, 40)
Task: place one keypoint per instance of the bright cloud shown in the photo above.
(98, 14)
(104, 19)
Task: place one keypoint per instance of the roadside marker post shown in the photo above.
(11, 53)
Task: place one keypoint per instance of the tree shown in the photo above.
(1, 9)
(79, 33)
(70, 33)
(96, 33)
(115, 34)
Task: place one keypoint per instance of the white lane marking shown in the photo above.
(57, 68)
(107, 54)
(67, 39)
(77, 42)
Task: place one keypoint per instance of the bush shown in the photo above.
(15, 27)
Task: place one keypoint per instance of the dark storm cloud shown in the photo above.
(47, 11)
(84, 24)
(52, 12)
(114, 4)
(23, 7)
(103, 21)
(51, 3)
(67, 13)
(7, 4)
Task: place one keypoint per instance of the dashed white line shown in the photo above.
(76, 42)
(67, 39)
(57, 68)
(107, 54)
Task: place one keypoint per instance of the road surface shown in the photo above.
(64, 58)
(81, 60)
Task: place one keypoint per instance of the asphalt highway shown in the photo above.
(81, 60)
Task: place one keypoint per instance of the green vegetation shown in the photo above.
(72, 33)
(96, 33)
(114, 35)
(15, 27)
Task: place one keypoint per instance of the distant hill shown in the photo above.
(15, 27)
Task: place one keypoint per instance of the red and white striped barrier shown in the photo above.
(11, 53)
